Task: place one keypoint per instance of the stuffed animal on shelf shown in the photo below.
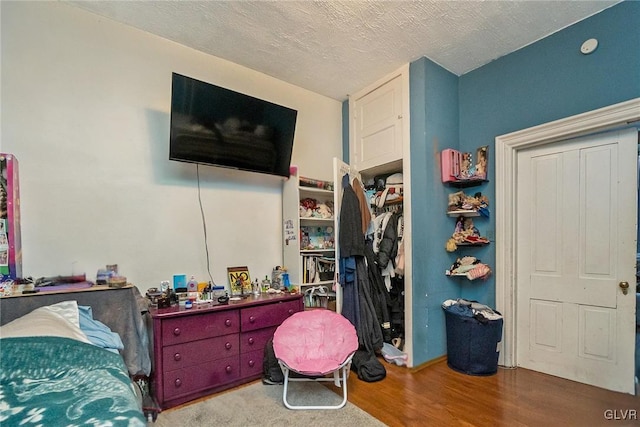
(307, 206)
(465, 232)
(323, 210)
(311, 208)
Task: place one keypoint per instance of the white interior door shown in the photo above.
(576, 228)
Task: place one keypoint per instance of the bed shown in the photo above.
(60, 366)
(118, 308)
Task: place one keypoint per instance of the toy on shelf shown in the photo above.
(462, 204)
(469, 267)
(465, 233)
(312, 208)
(315, 238)
(459, 168)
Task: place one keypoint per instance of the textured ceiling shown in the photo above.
(339, 47)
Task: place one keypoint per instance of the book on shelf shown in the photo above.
(317, 267)
(316, 183)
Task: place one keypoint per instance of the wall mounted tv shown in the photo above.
(215, 126)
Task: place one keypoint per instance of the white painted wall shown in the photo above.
(85, 109)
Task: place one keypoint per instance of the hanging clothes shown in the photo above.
(400, 261)
(351, 238)
(379, 295)
(365, 211)
(358, 305)
(351, 243)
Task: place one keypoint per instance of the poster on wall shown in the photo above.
(4, 247)
(10, 242)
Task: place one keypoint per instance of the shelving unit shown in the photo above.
(309, 234)
(464, 213)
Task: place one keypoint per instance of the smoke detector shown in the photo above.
(589, 46)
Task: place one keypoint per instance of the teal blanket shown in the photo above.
(52, 381)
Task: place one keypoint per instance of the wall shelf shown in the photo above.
(463, 183)
(465, 213)
(473, 244)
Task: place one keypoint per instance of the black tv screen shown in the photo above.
(216, 126)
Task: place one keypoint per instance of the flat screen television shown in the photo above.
(215, 126)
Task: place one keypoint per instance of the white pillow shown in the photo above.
(58, 320)
(67, 309)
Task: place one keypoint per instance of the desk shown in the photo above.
(115, 307)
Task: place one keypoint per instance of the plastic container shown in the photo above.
(276, 277)
(472, 346)
(266, 284)
(180, 282)
(192, 285)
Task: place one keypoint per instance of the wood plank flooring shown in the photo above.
(438, 396)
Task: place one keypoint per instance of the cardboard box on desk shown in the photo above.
(10, 245)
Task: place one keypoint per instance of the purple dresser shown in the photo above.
(210, 348)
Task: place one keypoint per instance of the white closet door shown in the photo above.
(377, 123)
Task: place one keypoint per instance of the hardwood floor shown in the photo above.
(438, 396)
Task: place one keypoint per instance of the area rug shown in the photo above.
(261, 405)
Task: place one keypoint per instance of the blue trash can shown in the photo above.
(472, 346)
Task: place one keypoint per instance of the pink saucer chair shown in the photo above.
(316, 344)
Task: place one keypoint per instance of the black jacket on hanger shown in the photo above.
(358, 304)
(350, 239)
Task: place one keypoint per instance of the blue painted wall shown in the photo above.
(434, 126)
(545, 81)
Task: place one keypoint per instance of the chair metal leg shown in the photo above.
(341, 382)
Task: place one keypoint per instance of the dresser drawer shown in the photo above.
(251, 364)
(267, 315)
(255, 340)
(199, 377)
(196, 352)
(199, 326)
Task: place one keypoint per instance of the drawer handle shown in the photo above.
(252, 363)
(177, 357)
(177, 382)
(291, 311)
(251, 341)
(229, 369)
(228, 346)
(177, 331)
(252, 319)
(227, 322)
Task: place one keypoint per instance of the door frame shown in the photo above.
(619, 115)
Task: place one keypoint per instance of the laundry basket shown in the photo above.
(472, 346)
